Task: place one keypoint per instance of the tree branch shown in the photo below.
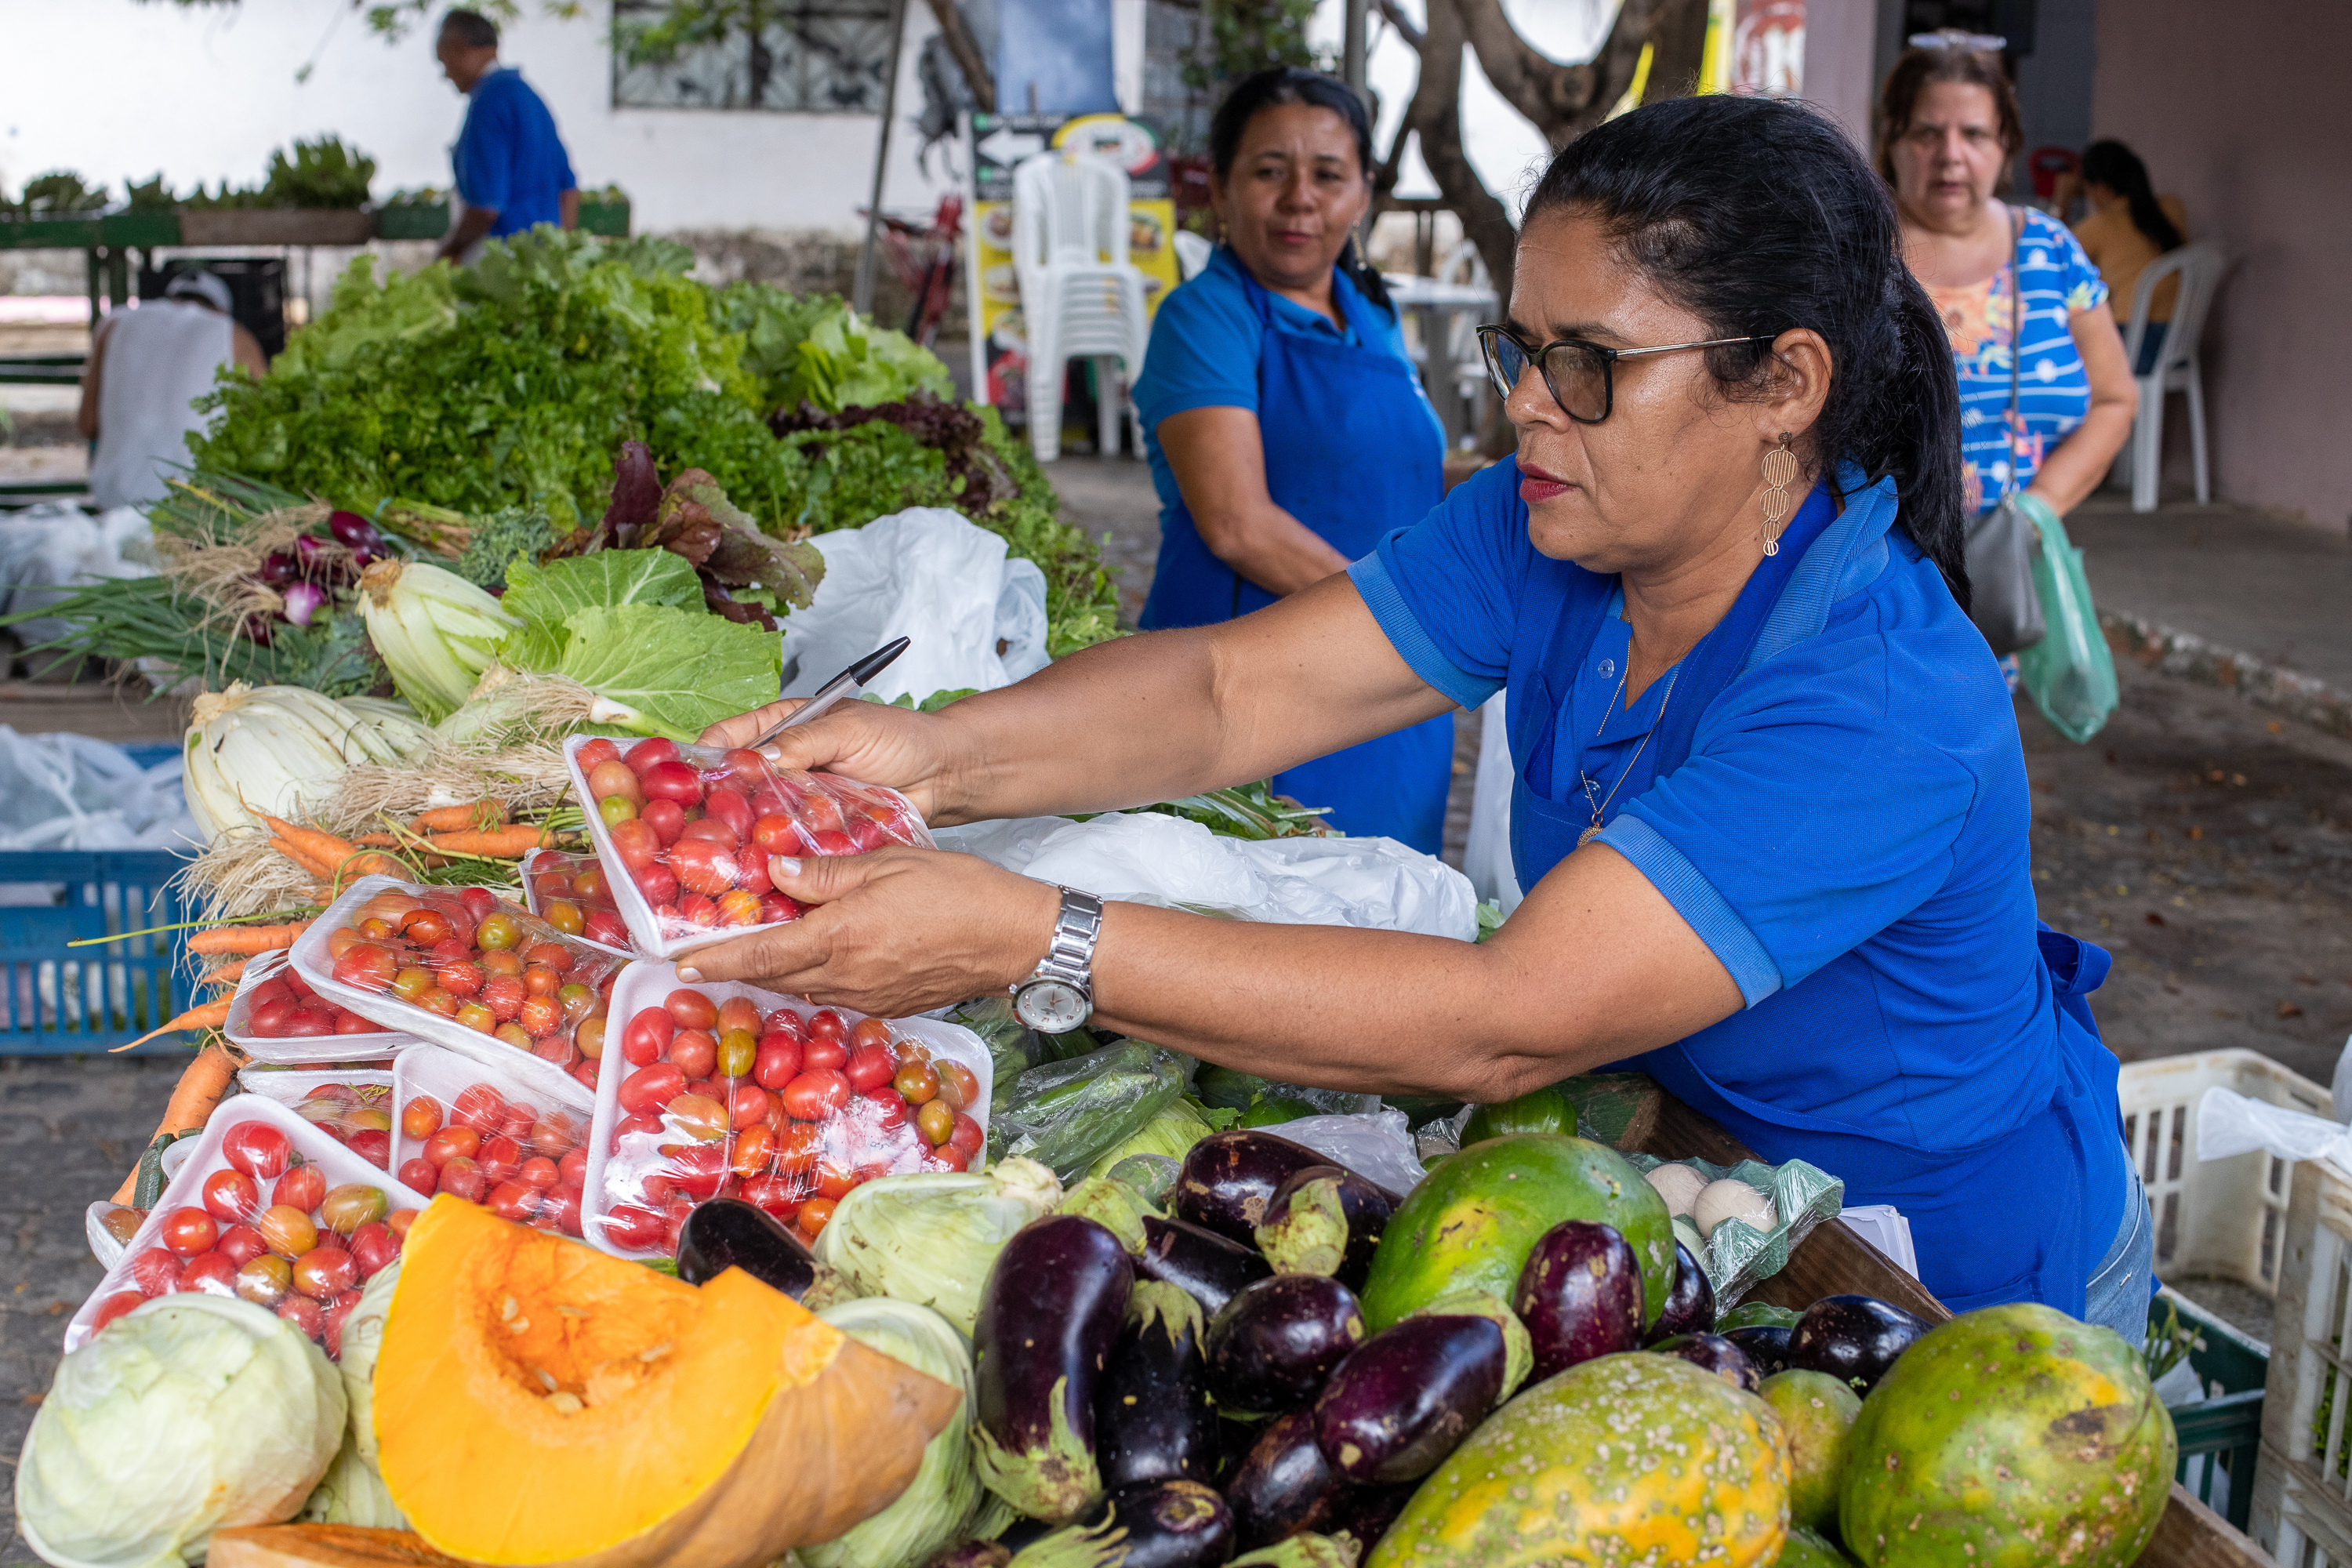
(1434, 117)
(957, 34)
(1562, 101)
(1402, 24)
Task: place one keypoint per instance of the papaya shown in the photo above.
(1546, 1110)
(1472, 1223)
(1628, 1458)
(1803, 1549)
(2009, 1437)
(1817, 1413)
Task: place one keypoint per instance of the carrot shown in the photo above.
(200, 1089)
(482, 814)
(210, 1015)
(330, 857)
(248, 939)
(226, 974)
(377, 841)
(503, 842)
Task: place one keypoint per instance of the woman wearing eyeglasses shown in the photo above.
(1771, 802)
(1286, 427)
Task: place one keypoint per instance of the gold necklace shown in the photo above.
(1590, 784)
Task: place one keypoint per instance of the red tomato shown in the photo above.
(585, 1070)
(636, 843)
(156, 1271)
(948, 1157)
(113, 1307)
(330, 1328)
(825, 1024)
(777, 834)
(784, 1021)
(752, 878)
(869, 1066)
(426, 927)
(681, 782)
(350, 1023)
(748, 1107)
(650, 750)
(304, 1314)
(775, 908)
(503, 995)
(600, 750)
(538, 1171)
(651, 1088)
(780, 1195)
(324, 1273)
(754, 1150)
(452, 1143)
(958, 1085)
(606, 927)
(399, 1220)
(571, 1168)
(513, 1200)
(633, 1227)
(727, 804)
(666, 819)
(373, 1247)
(834, 1181)
(824, 1053)
(779, 1061)
(541, 1017)
(304, 1187)
(590, 1037)
(811, 1096)
(560, 1210)
(658, 885)
(188, 1231)
(694, 1053)
(815, 1214)
(967, 1136)
(461, 1178)
(367, 967)
(691, 1009)
(240, 1244)
(420, 1117)
(554, 1134)
(462, 978)
(420, 1175)
(231, 1195)
(698, 1170)
(374, 1146)
(609, 781)
(258, 1148)
(709, 830)
(648, 1037)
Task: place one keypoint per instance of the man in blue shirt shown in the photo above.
(510, 165)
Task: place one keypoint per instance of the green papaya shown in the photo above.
(1817, 1414)
(1471, 1222)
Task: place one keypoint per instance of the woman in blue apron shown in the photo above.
(1287, 431)
(1770, 804)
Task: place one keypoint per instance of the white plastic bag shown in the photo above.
(1486, 856)
(2229, 1123)
(973, 615)
(1378, 1147)
(71, 792)
(1148, 857)
(47, 551)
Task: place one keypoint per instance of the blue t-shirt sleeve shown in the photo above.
(1446, 589)
(1805, 822)
(1204, 354)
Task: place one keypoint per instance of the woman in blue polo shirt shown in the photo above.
(1287, 428)
(1771, 802)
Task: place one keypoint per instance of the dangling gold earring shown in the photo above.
(1779, 467)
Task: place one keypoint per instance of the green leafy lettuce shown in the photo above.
(545, 597)
(666, 670)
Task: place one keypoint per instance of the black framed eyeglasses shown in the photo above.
(1583, 377)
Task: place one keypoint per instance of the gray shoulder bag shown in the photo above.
(2004, 603)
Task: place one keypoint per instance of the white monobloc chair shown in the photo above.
(1192, 253)
(1080, 296)
(2198, 268)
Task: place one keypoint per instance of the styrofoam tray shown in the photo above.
(337, 1164)
(304, 1050)
(530, 893)
(646, 983)
(645, 929)
(541, 1075)
(445, 1074)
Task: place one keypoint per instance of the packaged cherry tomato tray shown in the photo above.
(687, 831)
(297, 1027)
(725, 1089)
(480, 1133)
(570, 890)
(350, 1104)
(267, 1207)
(490, 980)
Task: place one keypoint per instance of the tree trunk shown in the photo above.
(1679, 36)
(1434, 117)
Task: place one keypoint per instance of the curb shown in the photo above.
(2176, 653)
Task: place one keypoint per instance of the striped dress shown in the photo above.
(2056, 282)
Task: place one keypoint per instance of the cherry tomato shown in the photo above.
(263, 1280)
(633, 1227)
(420, 1117)
(815, 1214)
(258, 1148)
(324, 1273)
(918, 1083)
(352, 1205)
(156, 1271)
(453, 1142)
(778, 1061)
(659, 886)
(675, 781)
(398, 1222)
(461, 978)
(439, 1000)
(692, 1009)
(231, 1195)
(513, 1200)
(968, 1135)
(301, 1187)
(648, 1035)
(936, 1122)
(498, 933)
(614, 781)
(780, 1195)
(778, 836)
(587, 1070)
(869, 1068)
(890, 1110)
(825, 1024)
(739, 1052)
(644, 754)
(711, 830)
(420, 1175)
(286, 1230)
(426, 927)
(727, 806)
(120, 1304)
(748, 1106)
(590, 1037)
(538, 1171)
(373, 1247)
(374, 1146)
(560, 1210)
(948, 1157)
(870, 1032)
(590, 753)
(477, 1017)
(188, 1231)
(698, 1169)
(499, 1158)
(240, 1244)
(697, 1116)
(303, 1314)
(461, 1178)
(515, 1034)
(665, 819)
(636, 843)
(694, 1053)
(958, 1084)
(650, 1087)
(366, 967)
(504, 995)
(616, 810)
(784, 1021)
(753, 1149)
(815, 1092)
(831, 1054)
(541, 1017)
(554, 1134)
(330, 1328)
(606, 927)
(565, 916)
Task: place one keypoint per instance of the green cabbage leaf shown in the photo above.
(938, 1506)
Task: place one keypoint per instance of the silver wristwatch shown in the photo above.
(1059, 995)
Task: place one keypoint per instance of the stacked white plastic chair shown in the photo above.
(1080, 296)
(2198, 268)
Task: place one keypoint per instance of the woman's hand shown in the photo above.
(894, 747)
(892, 933)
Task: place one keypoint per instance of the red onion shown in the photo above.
(354, 532)
(278, 568)
(303, 600)
(256, 629)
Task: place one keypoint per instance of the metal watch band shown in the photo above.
(1070, 957)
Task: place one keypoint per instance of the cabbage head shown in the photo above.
(1172, 1131)
(193, 1414)
(353, 1492)
(932, 1239)
(938, 1506)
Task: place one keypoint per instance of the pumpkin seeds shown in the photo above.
(656, 1353)
(565, 1401)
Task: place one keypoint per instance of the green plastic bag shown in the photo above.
(2070, 673)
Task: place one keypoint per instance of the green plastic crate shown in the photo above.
(2222, 1433)
(413, 220)
(610, 219)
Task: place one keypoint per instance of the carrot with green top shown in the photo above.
(320, 851)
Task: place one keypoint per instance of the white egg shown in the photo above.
(1679, 1185)
(1727, 1199)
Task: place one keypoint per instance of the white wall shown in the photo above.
(110, 89)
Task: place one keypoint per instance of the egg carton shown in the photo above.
(1738, 1255)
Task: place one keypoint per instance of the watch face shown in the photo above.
(1051, 1006)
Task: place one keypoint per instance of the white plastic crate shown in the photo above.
(2219, 1218)
(2303, 1484)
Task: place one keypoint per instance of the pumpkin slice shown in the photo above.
(321, 1546)
(538, 1402)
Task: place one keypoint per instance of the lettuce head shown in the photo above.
(938, 1506)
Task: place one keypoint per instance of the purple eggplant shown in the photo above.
(1690, 1304)
(1714, 1353)
(728, 1233)
(1171, 1524)
(1274, 1343)
(1153, 1420)
(1049, 1316)
(1325, 1220)
(1200, 1263)
(1766, 1344)
(1365, 1513)
(1404, 1399)
(1579, 1296)
(1228, 1180)
(1856, 1337)
(1283, 1485)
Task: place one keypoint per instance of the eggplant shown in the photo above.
(1049, 1317)
(1234, 1440)
(1853, 1338)
(1579, 1296)
(1406, 1397)
(1153, 1421)
(1365, 1513)
(1714, 1353)
(1228, 1180)
(1690, 1304)
(728, 1233)
(1325, 1220)
(1283, 1485)
(1274, 1343)
(1171, 1524)
(1200, 1263)
(1766, 1344)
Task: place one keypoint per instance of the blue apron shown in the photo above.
(2002, 1221)
(1351, 452)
